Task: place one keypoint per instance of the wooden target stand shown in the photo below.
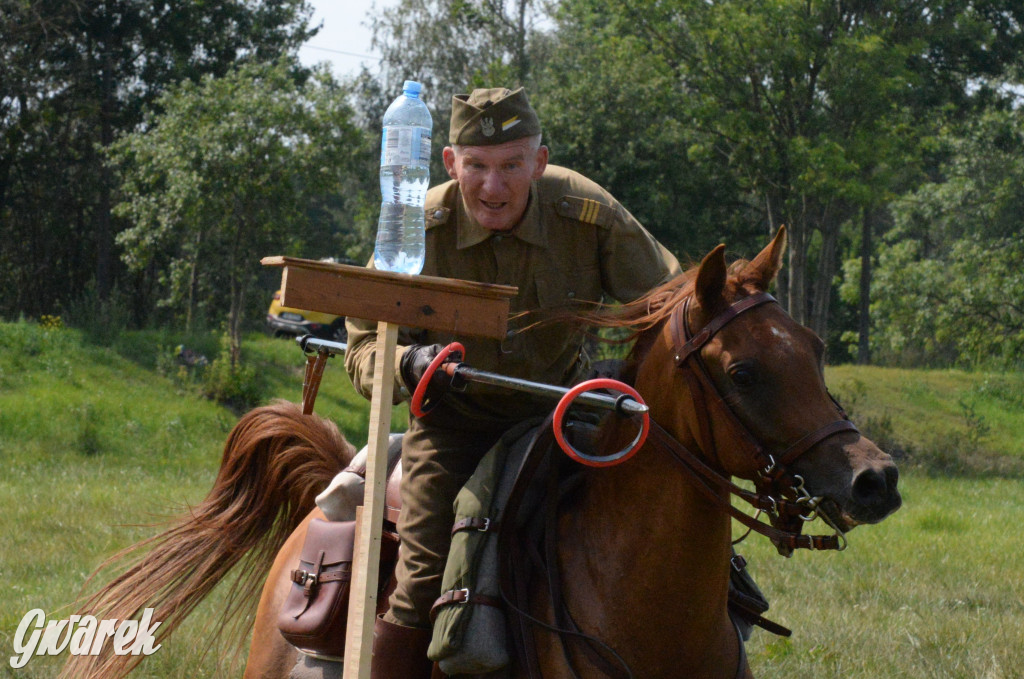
(393, 300)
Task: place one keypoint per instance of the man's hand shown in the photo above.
(415, 362)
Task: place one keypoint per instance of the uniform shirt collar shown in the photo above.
(529, 229)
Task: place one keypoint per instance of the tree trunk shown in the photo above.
(240, 286)
(522, 58)
(864, 310)
(193, 285)
(234, 337)
(774, 222)
(826, 271)
(797, 288)
(238, 281)
(104, 232)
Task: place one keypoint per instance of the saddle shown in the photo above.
(468, 638)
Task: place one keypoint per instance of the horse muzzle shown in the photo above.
(872, 495)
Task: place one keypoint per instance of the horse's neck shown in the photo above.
(645, 563)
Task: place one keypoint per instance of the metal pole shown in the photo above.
(311, 344)
(626, 405)
(458, 370)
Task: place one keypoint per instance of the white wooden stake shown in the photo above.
(362, 607)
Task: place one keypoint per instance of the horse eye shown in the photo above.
(742, 376)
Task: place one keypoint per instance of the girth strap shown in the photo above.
(303, 577)
(315, 365)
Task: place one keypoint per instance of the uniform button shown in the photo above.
(438, 214)
(498, 239)
(571, 294)
(565, 205)
(510, 334)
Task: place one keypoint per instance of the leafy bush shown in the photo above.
(961, 308)
(238, 386)
(232, 383)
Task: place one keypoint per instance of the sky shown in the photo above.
(343, 40)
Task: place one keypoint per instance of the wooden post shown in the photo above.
(362, 604)
(392, 299)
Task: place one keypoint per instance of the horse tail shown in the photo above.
(276, 460)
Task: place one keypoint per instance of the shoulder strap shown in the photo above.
(585, 210)
(436, 215)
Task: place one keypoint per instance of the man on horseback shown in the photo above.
(506, 217)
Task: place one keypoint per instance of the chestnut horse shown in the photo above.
(735, 387)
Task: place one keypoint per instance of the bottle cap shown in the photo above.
(412, 88)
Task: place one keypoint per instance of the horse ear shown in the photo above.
(711, 280)
(761, 271)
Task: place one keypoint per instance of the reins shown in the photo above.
(518, 553)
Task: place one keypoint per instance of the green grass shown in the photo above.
(934, 591)
(94, 444)
(95, 441)
(941, 421)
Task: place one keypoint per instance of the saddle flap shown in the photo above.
(393, 496)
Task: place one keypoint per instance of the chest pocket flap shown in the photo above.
(586, 210)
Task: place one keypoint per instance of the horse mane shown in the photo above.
(642, 316)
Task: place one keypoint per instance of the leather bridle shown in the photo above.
(779, 492)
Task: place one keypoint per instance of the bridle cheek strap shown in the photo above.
(715, 483)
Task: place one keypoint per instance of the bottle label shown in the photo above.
(405, 145)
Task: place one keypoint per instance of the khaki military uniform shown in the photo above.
(575, 244)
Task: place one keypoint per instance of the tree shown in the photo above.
(450, 46)
(612, 108)
(814, 111)
(74, 75)
(224, 174)
(963, 308)
(723, 119)
(948, 284)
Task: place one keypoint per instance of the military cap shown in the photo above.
(492, 116)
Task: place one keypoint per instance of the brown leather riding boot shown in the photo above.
(400, 652)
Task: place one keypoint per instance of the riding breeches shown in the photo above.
(436, 462)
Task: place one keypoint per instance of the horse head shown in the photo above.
(748, 391)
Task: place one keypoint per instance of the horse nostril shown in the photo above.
(892, 476)
(875, 490)
(869, 487)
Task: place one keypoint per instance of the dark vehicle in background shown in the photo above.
(286, 321)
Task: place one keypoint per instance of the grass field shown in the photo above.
(95, 441)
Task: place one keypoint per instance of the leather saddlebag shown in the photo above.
(315, 612)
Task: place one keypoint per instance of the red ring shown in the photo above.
(416, 405)
(603, 460)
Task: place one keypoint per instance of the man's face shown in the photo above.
(495, 180)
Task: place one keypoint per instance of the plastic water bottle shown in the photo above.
(404, 176)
